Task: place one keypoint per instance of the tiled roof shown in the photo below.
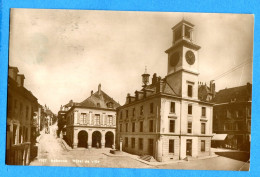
(241, 93)
(99, 100)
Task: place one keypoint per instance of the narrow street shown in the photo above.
(51, 152)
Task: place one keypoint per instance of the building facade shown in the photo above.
(92, 123)
(21, 131)
(166, 119)
(232, 117)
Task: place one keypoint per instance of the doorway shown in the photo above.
(96, 139)
(83, 139)
(109, 137)
(189, 148)
(150, 146)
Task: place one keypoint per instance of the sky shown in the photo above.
(64, 54)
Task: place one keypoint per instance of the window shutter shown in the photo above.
(114, 120)
(78, 118)
(106, 120)
(88, 118)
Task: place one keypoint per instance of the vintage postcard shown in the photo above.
(129, 89)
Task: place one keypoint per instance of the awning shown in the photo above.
(230, 136)
(219, 137)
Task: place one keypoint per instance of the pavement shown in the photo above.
(53, 151)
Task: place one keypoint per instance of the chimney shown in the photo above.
(159, 85)
(154, 79)
(20, 80)
(212, 87)
(91, 92)
(12, 72)
(99, 89)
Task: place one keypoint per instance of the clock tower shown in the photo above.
(183, 61)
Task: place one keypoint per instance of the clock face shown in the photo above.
(190, 57)
(174, 59)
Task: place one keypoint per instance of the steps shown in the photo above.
(148, 158)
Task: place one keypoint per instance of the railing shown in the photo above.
(18, 154)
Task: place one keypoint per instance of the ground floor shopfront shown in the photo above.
(88, 137)
(166, 147)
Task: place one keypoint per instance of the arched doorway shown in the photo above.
(83, 139)
(109, 137)
(96, 139)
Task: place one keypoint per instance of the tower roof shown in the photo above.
(182, 22)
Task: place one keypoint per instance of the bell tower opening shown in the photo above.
(183, 60)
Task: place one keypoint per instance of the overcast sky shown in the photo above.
(64, 54)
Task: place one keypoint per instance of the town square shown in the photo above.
(129, 89)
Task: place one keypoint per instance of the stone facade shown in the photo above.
(92, 123)
(166, 119)
(232, 116)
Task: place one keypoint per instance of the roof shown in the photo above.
(71, 103)
(166, 88)
(99, 100)
(238, 94)
(181, 22)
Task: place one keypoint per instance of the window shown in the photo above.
(21, 110)
(189, 90)
(187, 32)
(172, 108)
(133, 112)
(189, 109)
(140, 143)
(171, 146)
(151, 108)
(110, 120)
(9, 108)
(126, 127)
(133, 126)
(133, 142)
(98, 105)
(97, 119)
(126, 113)
(120, 129)
(172, 126)
(203, 111)
(27, 112)
(83, 118)
(110, 105)
(178, 34)
(202, 148)
(126, 141)
(189, 127)
(121, 114)
(151, 126)
(141, 126)
(141, 110)
(203, 128)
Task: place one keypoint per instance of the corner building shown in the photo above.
(92, 123)
(166, 119)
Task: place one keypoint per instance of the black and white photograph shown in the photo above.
(129, 89)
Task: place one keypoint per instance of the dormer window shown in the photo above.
(98, 105)
(110, 105)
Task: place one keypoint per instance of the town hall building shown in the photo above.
(167, 119)
(92, 123)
